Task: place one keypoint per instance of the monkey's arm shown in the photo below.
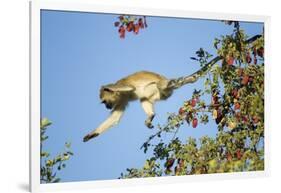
(112, 120)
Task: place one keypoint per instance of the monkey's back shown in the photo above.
(147, 85)
(143, 78)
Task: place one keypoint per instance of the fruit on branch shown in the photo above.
(238, 154)
(194, 122)
(140, 23)
(236, 106)
(122, 31)
(245, 119)
(260, 52)
(248, 58)
(235, 93)
(130, 24)
(255, 60)
(193, 102)
(255, 119)
(228, 156)
(230, 60)
(169, 163)
(245, 80)
(136, 28)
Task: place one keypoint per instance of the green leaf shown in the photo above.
(68, 144)
(45, 122)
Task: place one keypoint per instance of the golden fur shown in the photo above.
(147, 87)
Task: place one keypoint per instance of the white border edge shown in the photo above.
(34, 57)
(267, 94)
(34, 97)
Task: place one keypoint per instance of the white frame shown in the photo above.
(36, 6)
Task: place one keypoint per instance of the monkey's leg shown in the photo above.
(112, 120)
(148, 109)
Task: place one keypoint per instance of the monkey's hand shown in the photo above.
(90, 136)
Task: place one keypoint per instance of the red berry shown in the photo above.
(228, 156)
(248, 58)
(169, 163)
(193, 102)
(255, 52)
(194, 122)
(214, 99)
(129, 29)
(255, 60)
(245, 79)
(255, 119)
(230, 60)
(121, 31)
(245, 119)
(235, 93)
(136, 28)
(141, 24)
(236, 106)
(260, 52)
(130, 26)
(238, 154)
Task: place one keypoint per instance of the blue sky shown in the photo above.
(80, 52)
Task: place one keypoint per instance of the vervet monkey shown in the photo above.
(147, 87)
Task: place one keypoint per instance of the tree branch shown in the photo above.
(177, 83)
(252, 39)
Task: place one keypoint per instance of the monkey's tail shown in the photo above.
(179, 82)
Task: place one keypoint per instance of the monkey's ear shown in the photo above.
(118, 88)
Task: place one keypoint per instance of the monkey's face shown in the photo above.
(109, 97)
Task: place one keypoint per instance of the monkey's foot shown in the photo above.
(148, 124)
(148, 121)
(90, 136)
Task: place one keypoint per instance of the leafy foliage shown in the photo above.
(50, 166)
(233, 97)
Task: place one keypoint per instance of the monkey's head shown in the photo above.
(109, 97)
(112, 95)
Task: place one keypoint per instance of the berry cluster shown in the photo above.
(177, 163)
(130, 24)
(249, 57)
(189, 111)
